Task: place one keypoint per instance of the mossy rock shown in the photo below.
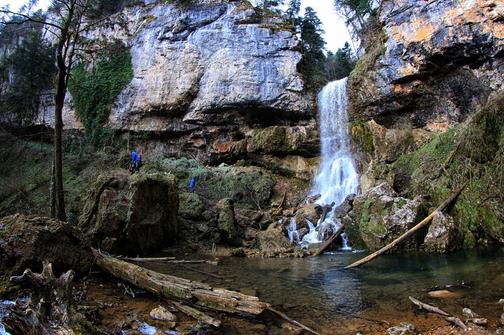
(277, 139)
(131, 214)
(471, 154)
(227, 222)
(380, 216)
(190, 206)
(362, 137)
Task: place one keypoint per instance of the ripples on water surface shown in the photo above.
(318, 286)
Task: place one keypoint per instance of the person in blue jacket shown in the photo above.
(136, 161)
(192, 185)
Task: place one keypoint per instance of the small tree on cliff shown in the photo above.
(360, 17)
(66, 24)
(292, 12)
(313, 61)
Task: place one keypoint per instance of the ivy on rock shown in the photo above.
(95, 89)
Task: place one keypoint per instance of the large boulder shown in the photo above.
(273, 242)
(380, 216)
(443, 235)
(131, 214)
(28, 241)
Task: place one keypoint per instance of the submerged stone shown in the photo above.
(403, 329)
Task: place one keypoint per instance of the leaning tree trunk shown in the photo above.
(58, 128)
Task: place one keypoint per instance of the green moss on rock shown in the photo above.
(471, 154)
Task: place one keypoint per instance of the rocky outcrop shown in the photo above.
(443, 235)
(426, 102)
(28, 241)
(227, 222)
(218, 79)
(131, 214)
(380, 216)
(434, 63)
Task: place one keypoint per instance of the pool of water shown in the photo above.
(319, 292)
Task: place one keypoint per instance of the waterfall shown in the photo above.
(337, 177)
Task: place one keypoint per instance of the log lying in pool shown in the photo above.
(188, 291)
(172, 287)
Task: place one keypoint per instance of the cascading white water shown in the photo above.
(337, 177)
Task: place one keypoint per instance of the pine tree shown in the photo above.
(340, 64)
(313, 63)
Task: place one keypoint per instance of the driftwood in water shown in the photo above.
(198, 315)
(148, 259)
(191, 292)
(433, 309)
(294, 322)
(329, 241)
(409, 233)
(428, 308)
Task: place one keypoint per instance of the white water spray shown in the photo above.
(337, 177)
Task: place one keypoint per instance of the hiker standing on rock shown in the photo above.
(192, 185)
(136, 162)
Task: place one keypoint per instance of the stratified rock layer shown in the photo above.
(217, 79)
(433, 65)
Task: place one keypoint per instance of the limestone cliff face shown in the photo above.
(426, 102)
(207, 78)
(435, 63)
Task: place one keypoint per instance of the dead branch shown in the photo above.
(428, 308)
(433, 309)
(329, 241)
(294, 322)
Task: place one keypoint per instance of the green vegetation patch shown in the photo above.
(362, 137)
(94, 90)
(471, 154)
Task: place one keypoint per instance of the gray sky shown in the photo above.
(335, 35)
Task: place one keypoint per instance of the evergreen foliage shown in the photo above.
(312, 65)
(293, 10)
(94, 90)
(29, 69)
(340, 64)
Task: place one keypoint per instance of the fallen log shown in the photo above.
(168, 260)
(326, 210)
(172, 287)
(198, 315)
(409, 233)
(191, 292)
(148, 259)
(329, 241)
